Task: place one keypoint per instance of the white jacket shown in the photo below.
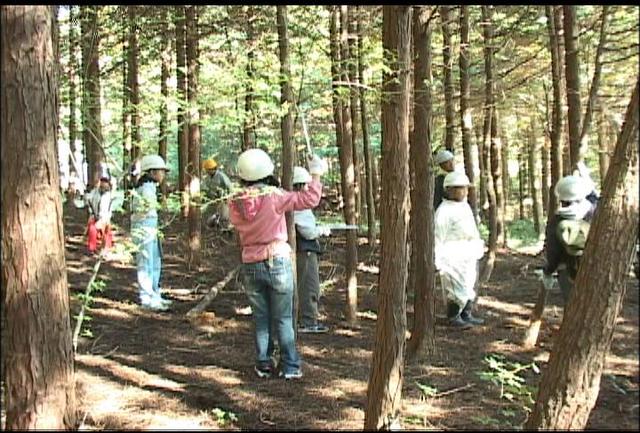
(100, 205)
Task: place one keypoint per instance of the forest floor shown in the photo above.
(157, 370)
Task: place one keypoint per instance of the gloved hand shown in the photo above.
(324, 231)
(548, 280)
(317, 165)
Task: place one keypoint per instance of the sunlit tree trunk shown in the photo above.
(352, 67)
(422, 269)
(572, 68)
(570, 384)
(386, 374)
(37, 349)
(91, 123)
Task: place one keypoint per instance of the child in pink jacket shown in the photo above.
(257, 212)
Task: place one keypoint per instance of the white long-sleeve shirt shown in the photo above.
(306, 224)
(100, 205)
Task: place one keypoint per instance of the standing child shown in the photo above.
(458, 247)
(144, 229)
(99, 224)
(257, 212)
(308, 248)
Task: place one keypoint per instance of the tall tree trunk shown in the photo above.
(371, 215)
(546, 178)
(496, 174)
(572, 68)
(449, 113)
(603, 146)
(336, 100)
(165, 72)
(193, 166)
(37, 349)
(348, 176)
(570, 384)
(134, 88)
(183, 138)
(465, 110)
(483, 201)
(489, 146)
(74, 147)
(534, 177)
(126, 97)
(248, 126)
(351, 68)
(286, 128)
(521, 169)
(595, 85)
(422, 269)
(504, 173)
(91, 124)
(387, 366)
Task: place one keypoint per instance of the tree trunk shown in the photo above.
(572, 68)
(556, 112)
(37, 350)
(595, 85)
(126, 115)
(603, 147)
(489, 147)
(422, 269)
(286, 126)
(465, 110)
(134, 88)
(534, 177)
(348, 176)
(387, 367)
(371, 211)
(504, 175)
(249, 127)
(91, 125)
(183, 138)
(521, 169)
(449, 114)
(193, 167)
(570, 384)
(74, 148)
(352, 68)
(165, 71)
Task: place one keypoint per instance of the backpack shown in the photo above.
(572, 234)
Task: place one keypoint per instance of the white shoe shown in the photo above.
(155, 305)
(166, 302)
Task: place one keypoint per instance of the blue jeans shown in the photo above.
(148, 258)
(269, 287)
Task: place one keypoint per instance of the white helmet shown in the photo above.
(152, 162)
(254, 164)
(572, 188)
(456, 178)
(443, 156)
(301, 175)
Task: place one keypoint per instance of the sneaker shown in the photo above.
(264, 370)
(295, 374)
(165, 302)
(313, 329)
(154, 305)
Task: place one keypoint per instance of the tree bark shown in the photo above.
(37, 349)
(570, 384)
(534, 177)
(572, 68)
(91, 124)
(385, 381)
(183, 138)
(449, 114)
(603, 147)
(371, 211)
(465, 109)
(74, 148)
(348, 176)
(165, 70)
(133, 82)
(422, 269)
(193, 122)
(248, 127)
(352, 68)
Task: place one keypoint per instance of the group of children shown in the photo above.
(257, 212)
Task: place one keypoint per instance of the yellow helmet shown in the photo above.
(209, 164)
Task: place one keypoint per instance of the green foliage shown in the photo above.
(522, 233)
(506, 374)
(223, 417)
(427, 391)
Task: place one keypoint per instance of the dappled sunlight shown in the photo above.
(490, 302)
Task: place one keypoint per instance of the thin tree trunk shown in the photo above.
(183, 138)
(371, 212)
(76, 167)
(422, 277)
(521, 169)
(465, 110)
(126, 98)
(534, 180)
(570, 384)
(37, 349)
(248, 127)
(348, 176)
(556, 112)
(133, 81)
(387, 367)
(572, 68)
(165, 69)
(496, 174)
(352, 68)
(603, 147)
(504, 175)
(449, 113)
(193, 166)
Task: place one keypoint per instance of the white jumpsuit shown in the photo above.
(458, 247)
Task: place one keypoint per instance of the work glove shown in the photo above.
(548, 281)
(317, 165)
(324, 231)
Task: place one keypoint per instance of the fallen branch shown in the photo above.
(213, 292)
(451, 391)
(87, 292)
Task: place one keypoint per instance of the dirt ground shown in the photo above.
(157, 370)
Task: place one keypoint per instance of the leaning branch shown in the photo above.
(213, 292)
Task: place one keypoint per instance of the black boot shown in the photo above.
(455, 320)
(465, 315)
